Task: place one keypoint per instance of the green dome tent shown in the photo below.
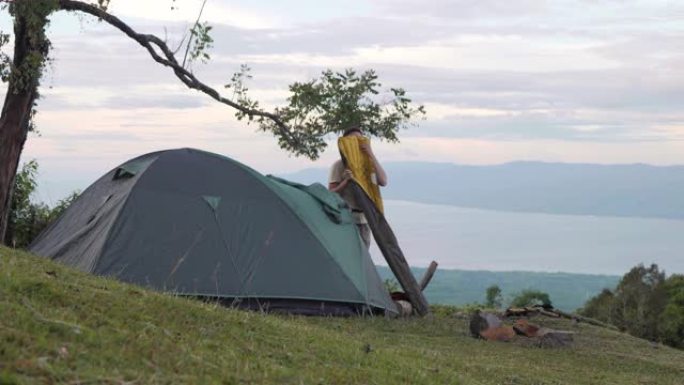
(200, 224)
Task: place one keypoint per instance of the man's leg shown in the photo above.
(365, 233)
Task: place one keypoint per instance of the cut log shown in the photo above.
(427, 277)
(404, 307)
(516, 312)
(501, 333)
(524, 328)
(388, 245)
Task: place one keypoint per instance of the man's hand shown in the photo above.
(347, 175)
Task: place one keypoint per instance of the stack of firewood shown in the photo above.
(491, 327)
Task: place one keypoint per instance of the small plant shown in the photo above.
(494, 297)
(392, 285)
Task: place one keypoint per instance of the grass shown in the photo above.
(60, 326)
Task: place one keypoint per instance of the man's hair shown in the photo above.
(351, 130)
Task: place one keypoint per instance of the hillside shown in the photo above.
(631, 190)
(460, 287)
(61, 326)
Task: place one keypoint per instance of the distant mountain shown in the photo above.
(459, 287)
(635, 190)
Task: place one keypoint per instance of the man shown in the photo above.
(340, 177)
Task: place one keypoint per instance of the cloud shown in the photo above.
(558, 81)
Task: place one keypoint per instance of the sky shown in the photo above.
(560, 81)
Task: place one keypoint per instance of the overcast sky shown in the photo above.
(570, 81)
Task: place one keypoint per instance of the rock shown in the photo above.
(480, 322)
(549, 338)
(489, 326)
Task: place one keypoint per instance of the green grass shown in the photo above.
(59, 326)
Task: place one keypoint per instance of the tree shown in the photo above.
(600, 307)
(639, 300)
(644, 304)
(531, 298)
(315, 109)
(671, 320)
(494, 298)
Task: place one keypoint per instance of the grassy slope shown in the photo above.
(61, 326)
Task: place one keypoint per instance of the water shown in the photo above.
(472, 239)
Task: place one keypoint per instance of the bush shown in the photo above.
(531, 298)
(27, 219)
(493, 297)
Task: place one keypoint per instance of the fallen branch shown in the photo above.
(555, 313)
(427, 277)
(587, 320)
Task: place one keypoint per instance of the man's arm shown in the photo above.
(339, 186)
(380, 173)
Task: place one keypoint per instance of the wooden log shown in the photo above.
(388, 245)
(404, 307)
(587, 320)
(552, 314)
(427, 277)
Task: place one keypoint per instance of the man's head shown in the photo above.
(353, 131)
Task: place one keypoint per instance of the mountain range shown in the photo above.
(630, 190)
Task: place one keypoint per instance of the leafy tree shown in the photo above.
(21, 211)
(600, 307)
(315, 109)
(643, 304)
(640, 298)
(27, 219)
(671, 320)
(332, 103)
(531, 298)
(494, 297)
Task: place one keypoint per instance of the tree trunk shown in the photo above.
(22, 92)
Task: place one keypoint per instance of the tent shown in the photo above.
(200, 224)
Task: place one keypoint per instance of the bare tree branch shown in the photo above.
(162, 54)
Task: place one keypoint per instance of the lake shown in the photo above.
(472, 239)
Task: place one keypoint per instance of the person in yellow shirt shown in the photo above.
(340, 177)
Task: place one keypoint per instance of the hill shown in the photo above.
(460, 287)
(62, 326)
(633, 190)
